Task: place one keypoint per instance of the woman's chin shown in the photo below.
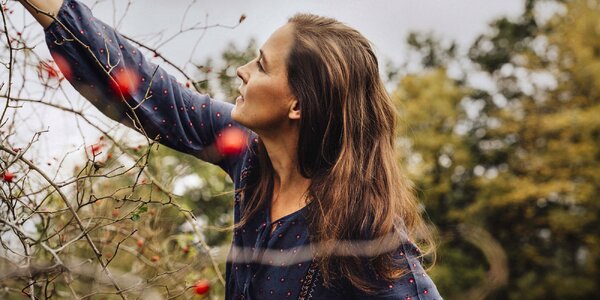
(237, 116)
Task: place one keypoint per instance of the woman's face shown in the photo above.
(266, 103)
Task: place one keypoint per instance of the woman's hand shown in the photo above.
(40, 8)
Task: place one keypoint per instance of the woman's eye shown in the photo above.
(260, 68)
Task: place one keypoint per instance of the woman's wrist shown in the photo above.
(41, 9)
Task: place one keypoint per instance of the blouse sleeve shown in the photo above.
(414, 285)
(116, 78)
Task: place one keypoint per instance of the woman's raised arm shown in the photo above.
(116, 78)
(38, 8)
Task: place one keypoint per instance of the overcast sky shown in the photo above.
(384, 22)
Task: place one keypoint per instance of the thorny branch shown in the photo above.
(72, 228)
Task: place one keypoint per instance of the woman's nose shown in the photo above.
(242, 74)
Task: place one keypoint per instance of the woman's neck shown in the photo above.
(282, 151)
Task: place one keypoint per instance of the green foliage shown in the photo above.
(434, 54)
(221, 76)
(524, 168)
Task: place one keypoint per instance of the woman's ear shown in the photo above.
(294, 110)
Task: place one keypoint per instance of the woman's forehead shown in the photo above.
(276, 48)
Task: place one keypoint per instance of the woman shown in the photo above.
(318, 174)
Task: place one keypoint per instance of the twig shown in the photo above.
(75, 215)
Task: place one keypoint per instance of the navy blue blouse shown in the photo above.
(190, 122)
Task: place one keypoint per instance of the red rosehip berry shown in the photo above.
(47, 70)
(140, 243)
(154, 258)
(202, 287)
(7, 176)
(63, 65)
(125, 82)
(231, 142)
(96, 149)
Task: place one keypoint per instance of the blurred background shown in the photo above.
(499, 109)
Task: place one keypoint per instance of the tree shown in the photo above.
(515, 167)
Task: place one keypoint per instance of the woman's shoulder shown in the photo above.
(415, 283)
(249, 160)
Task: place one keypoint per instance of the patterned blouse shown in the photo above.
(87, 50)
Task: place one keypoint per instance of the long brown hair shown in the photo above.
(346, 148)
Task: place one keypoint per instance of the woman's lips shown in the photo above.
(239, 99)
